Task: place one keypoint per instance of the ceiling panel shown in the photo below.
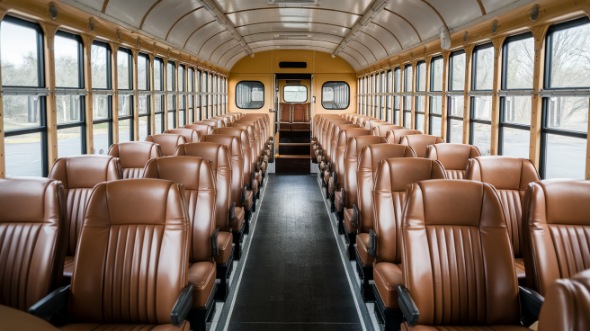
(399, 27)
(202, 35)
(222, 49)
(385, 37)
(165, 14)
(292, 27)
(457, 15)
(129, 11)
(493, 5)
(421, 16)
(186, 26)
(287, 15)
(92, 4)
(210, 45)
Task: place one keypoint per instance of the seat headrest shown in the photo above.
(560, 201)
(419, 142)
(137, 201)
(355, 145)
(167, 141)
(452, 156)
(233, 143)
(193, 172)
(435, 202)
(396, 174)
(214, 152)
(202, 129)
(351, 132)
(85, 171)
(395, 136)
(189, 134)
(504, 172)
(135, 154)
(372, 154)
(382, 130)
(31, 200)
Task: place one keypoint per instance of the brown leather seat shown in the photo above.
(202, 129)
(510, 176)
(369, 159)
(79, 175)
(258, 167)
(168, 142)
(457, 263)
(240, 194)
(567, 304)
(190, 135)
(133, 155)
(454, 157)
(391, 181)
(219, 158)
(216, 122)
(349, 204)
(132, 261)
(32, 239)
(251, 157)
(556, 228)
(196, 176)
(419, 142)
(382, 130)
(395, 136)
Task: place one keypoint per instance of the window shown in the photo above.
(515, 106)
(125, 94)
(335, 95)
(69, 96)
(199, 86)
(295, 93)
(171, 94)
(435, 96)
(564, 131)
(456, 97)
(102, 97)
(407, 96)
(191, 96)
(144, 94)
(389, 96)
(249, 95)
(420, 96)
(204, 90)
(397, 95)
(481, 97)
(24, 95)
(159, 95)
(182, 95)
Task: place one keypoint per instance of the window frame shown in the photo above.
(343, 83)
(263, 94)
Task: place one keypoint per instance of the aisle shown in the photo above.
(294, 278)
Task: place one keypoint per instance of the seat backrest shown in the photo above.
(133, 155)
(369, 159)
(32, 239)
(454, 157)
(79, 175)
(391, 181)
(191, 136)
(567, 304)
(167, 141)
(236, 153)
(556, 228)
(419, 142)
(457, 262)
(132, 262)
(243, 141)
(202, 129)
(248, 145)
(510, 176)
(382, 130)
(336, 129)
(218, 155)
(395, 136)
(354, 146)
(196, 176)
(218, 123)
(343, 137)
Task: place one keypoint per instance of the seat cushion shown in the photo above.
(202, 276)
(362, 248)
(387, 277)
(185, 326)
(224, 247)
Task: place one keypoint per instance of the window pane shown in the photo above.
(144, 124)
(457, 72)
(292, 93)
(569, 57)
(100, 107)
(21, 112)
(171, 120)
(125, 105)
(407, 120)
(408, 78)
(158, 103)
(455, 131)
(421, 77)
(144, 104)
(181, 79)
(420, 103)
(435, 126)
(484, 68)
(420, 122)
(566, 157)
(123, 70)
(515, 142)
(482, 107)
(159, 125)
(191, 80)
(20, 63)
(182, 117)
(456, 105)
(101, 138)
(335, 95)
(143, 77)
(407, 103)
(171, 102)
(396, 80)
(158, 75)
(69, 108)
(67, 62)
(249, 95)
(520, 61)
(482, 137)
(517, 110)
(436, 68)
(24, 155)
(436, 104)
(567, 113)
(69, 141)
(125, 131)
(170, 78)
(99, 58)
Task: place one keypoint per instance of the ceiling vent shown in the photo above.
(294, 2)
(297, 36)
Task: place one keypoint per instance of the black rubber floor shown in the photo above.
(294, 278)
